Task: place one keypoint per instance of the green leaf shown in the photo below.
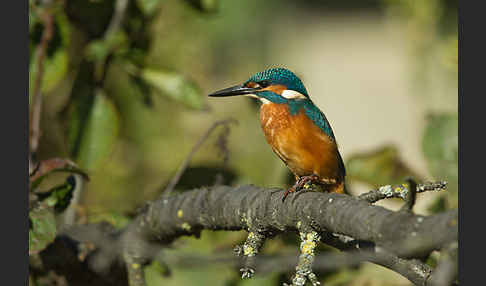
(175, 86)
(60, 196)
(99, 134)
(440, 148)
(440, 145)
(56, 60)
(378, 167)
(79, 107)
(148, 7)
(98, 50)
(42, 230)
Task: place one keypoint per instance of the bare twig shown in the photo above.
(249, 250)
(411, 195)
(116, 21)
(400, 191)
(41, 50)
(446, 271)
(303, 270)
(170, 187)
(135, 271)
(414, 270)
(117, 18)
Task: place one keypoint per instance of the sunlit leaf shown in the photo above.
(148, 7)
(78, 110)
(379, 167)
(98, 50)
(42, 230)
(60, 196)
(99, 134)
(56, 60)
(143, 88)
(440, 144)
(176, 86)
(440, 148)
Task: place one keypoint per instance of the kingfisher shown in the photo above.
(295, 128)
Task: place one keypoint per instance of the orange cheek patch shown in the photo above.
(252, 84)
(278, 88)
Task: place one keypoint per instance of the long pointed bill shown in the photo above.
(233, 91)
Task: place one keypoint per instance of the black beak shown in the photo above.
(233, 91)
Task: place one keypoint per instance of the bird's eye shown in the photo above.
(264, 83)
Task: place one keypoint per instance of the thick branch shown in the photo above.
(401, 234)
(446, 271)
(254, 208)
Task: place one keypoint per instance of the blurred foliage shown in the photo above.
(440, 146)
(379, 167)
(433, 47)
(44, 205)
(175, 86)
(96, 134)
(433, 37)
(42, 229)
(125, 100)
(43, 210)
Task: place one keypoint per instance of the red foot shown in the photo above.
(299, 184)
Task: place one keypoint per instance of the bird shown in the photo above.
(295, 128)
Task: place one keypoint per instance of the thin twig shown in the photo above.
(360, 251)
(117, 18)
(41, 50)
(303, 270)
(446, 271)
(114, 26)
(249, 250)
(170, 187)
(400, 191)
(411, 195)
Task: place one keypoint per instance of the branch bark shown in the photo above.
(399, 236)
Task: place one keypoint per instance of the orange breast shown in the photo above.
(303, 146)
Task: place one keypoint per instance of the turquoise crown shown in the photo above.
(280, 76)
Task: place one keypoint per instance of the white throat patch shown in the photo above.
(292, 94)
(263, 100)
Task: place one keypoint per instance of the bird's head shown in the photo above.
(278, 85)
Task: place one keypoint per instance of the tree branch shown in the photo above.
(446, 271)
(411, 195)
(400, 191)
(397, 236)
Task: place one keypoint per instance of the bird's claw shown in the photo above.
(247, 272)
(304, 182)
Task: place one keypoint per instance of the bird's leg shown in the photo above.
(300, 183)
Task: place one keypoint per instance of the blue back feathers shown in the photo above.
(281, 76)
(313, 112)
(291, 81)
